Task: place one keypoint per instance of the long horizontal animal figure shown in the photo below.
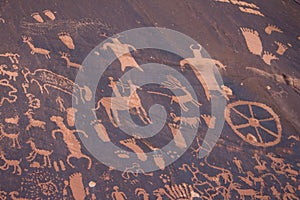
(45, 79)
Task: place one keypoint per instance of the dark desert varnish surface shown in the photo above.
(255, 46)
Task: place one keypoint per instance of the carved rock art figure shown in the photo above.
(281, 48)
(67, 40)
(37, 17)
(203, 67)
(118, 195)
(13, 57)
(49, 14)
(118, 103)
(177, 135)
(28, 41)
(174, 192)
(244, 6)
(255, 46)
(135, 170)
(122, 51)
(101, 131)
(142, 192)
(271, 28)
(34, 122)
(256, 138)
(12, 75)
(10, 163)
(209, 120)
(45, 79)
(71, 141)
(77, 187)
(66, 56)
(191, 121)
(238, 164)
(14, 137)
(36, 151)
(131, 144)
(8, 92)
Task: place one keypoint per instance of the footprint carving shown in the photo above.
(131, 144)
(272, 28)
(281, 48)
(255, 46)
(66, 39)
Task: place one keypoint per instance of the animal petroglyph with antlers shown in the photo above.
(28, 41)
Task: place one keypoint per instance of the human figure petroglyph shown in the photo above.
(119, 103)
(14, 137)
(45, 79)
(13, 57)
(11, 163)
(255, 45)
(70, 140)
(12, 75)
(8, 92)
(66, 39)
(131, 144)
(36, 151)
(238, 164)
(118, 195)
(34, 122)
(28, 41)
(49, 14)
(122, 51)
(60, 102)
(272, 28)
(203, 67)
(66, 57)
(77, 187)
(134, 170)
